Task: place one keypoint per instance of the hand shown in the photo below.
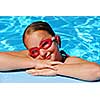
(42, 72)
(40, 64)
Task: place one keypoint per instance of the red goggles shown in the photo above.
(44, 44)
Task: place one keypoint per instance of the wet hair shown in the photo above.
(38, 25)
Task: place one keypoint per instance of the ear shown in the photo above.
(58, 40)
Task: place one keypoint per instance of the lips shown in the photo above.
(48, 57)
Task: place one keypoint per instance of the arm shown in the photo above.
(86, 71)
(21, 60)
(11, 61)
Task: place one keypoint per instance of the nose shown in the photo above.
(43, 52)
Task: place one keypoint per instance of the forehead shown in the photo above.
(41, 34)
(35, 38)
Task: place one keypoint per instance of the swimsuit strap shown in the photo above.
(64, 55)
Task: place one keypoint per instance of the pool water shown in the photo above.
(80, 35)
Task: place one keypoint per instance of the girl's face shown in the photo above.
(42, 46)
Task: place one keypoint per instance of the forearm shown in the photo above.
(11, 62)
(85, 71)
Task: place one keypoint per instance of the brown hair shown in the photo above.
(35, 26)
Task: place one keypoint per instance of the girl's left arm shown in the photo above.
(86, 71)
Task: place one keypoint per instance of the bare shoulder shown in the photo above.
(74, 59)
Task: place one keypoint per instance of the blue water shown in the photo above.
(80, 35)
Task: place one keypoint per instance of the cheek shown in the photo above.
(54, 50)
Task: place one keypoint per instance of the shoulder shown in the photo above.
(74, 59)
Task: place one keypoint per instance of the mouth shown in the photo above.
(48, 57)
(43, 58)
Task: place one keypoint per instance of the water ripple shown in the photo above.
(80, 35)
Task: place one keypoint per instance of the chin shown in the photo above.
(53, 59)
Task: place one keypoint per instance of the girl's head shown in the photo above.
(41, 41)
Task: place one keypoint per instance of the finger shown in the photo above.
(47, 72)
(45, 66)
(55, 63)
(33, 72)
(36, 71)
(43, 72)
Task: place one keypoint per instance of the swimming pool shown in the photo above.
(80, 35)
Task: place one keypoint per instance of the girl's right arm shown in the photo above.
(8, 61)
(19, 60)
